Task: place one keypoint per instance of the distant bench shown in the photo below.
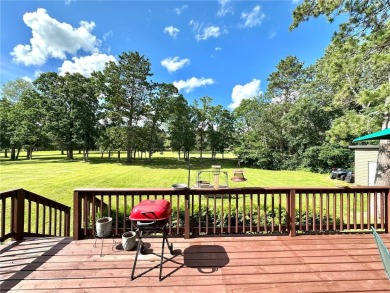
(383, 251)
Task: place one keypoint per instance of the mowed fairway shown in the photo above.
(49, 174)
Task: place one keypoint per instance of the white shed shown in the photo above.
(366, 157)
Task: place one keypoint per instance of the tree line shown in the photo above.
(306, 118)
(118, 109)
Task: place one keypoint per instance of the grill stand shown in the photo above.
(149, 227)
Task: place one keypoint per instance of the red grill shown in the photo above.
(151, 211)
(151, 216)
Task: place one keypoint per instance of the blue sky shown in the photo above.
(221, 49)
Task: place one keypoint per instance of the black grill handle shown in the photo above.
(154, 216)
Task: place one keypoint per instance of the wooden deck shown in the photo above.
(321, 263)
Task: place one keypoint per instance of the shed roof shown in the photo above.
(383, 134)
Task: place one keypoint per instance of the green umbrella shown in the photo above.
(383, 134)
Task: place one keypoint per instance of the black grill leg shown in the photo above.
(162, 251)
(170, 245)
(139, 247)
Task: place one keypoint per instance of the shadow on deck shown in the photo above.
(321, 263)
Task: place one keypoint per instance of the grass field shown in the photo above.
(49, 173)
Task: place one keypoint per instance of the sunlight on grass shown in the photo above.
(49, 174)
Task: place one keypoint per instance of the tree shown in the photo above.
(305, 127)
(284, 90)
(85, 111)
(156, 113)
(116, 136)
(284, 83)
(103, 141)
(221, 130)
(182, 126)
(111, 123)
(11, 93)
(5, 123)
(364, 16)
(257, 133)
(71, 109)
(358, 61)
(29, 129)
(13, 90)
(57, 109)
(203, 119)
(124, 86)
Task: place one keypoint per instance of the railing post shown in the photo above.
(67, 222)
(18, 228)
(187, 214)
(292, 214)
(387, 211)
(76, 216)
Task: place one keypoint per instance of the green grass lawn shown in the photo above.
(49, 174)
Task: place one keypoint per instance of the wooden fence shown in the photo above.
(25, 214)
(282, 211)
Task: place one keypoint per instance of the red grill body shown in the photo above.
(151, 210)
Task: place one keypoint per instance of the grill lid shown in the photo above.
(151, 210)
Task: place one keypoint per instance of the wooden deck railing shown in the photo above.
(287, 211)
(25, 214)
(90, 204)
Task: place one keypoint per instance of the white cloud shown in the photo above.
(203, 33)
(51, 38)
(172, 31)
(174, 64)
(246, 91)
(196, 26)
(179, 10)
(27, 78)
(218, 48)
(107, 35)
(253, 18)
(86, 65)
(192, 83)
(208, 32)
(272, 34)
(225, 8)
(37, 73)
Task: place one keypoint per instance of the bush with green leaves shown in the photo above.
(323, 158)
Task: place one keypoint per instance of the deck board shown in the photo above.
(310, 263)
